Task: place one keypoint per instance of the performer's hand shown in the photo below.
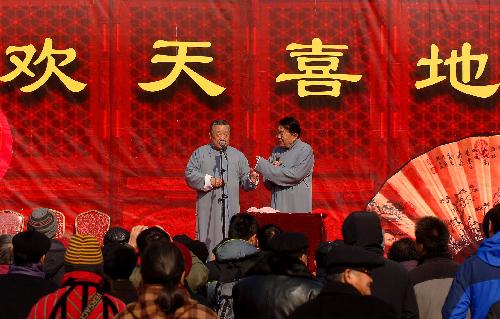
(216, 182)
(276, 161)
(253, 176)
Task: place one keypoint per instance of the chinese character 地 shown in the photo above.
(318, 63)
(180, 61)
(482, 91)
(47, 54)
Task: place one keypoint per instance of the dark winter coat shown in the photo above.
(19, 292)
(391, 282)
(274, 288)
(53, 263)
(343, 301)
(432, 279)
(234, 258)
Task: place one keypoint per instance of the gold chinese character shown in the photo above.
(433, 64)
(46, 54)
(482, 91)
(318, 66)
(180, 61)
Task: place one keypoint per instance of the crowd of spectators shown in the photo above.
(257, 272)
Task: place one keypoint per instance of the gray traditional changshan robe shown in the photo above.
(207, 160)
(291, 182)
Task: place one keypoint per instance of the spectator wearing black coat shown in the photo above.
(43, 221)
(25, 283)
(347, 291)
(279, 283)
(391, 281)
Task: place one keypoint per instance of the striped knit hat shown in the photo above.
(83, 253)
(43, 221)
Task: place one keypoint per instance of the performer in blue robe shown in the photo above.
(203, 174)
(288, 172)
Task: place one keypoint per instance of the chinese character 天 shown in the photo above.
(482, 91)
(180, 61)
(48, 53)
(319, 63)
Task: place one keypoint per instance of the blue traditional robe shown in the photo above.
(207, 160)
(291, 182)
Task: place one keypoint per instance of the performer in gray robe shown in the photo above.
(203, 174)
(288, 172)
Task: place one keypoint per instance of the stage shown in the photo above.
(94, 115)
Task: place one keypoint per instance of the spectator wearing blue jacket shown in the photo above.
(477, 283)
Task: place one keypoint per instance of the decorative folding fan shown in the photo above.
(456, 182)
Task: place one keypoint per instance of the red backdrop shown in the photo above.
(116, 148)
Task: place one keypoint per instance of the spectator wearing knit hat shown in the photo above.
(43, 221)
(347, 291)
(83, 285)
(25, 283)
(278, 283)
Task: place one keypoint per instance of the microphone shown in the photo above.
(223, 146)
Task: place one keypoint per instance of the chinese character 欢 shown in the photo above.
(46, 54)
(318, 63)
(465, 59)
(180, 61)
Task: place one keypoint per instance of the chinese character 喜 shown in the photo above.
(318, 66)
